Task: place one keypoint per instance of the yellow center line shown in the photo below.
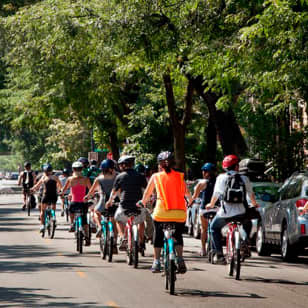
(112, 304)
(82, 274)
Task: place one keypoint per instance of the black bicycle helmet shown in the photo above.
(107, 164)
(47, 167)
(126, 159)
(65, 171)
(93, 162)
(83, 160)
(27, 164)
(140, 168)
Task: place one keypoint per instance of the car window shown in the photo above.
(267, 193)
(294, 188)
(284, 189)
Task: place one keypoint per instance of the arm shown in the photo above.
(92, 189)
(188, 195)
(66, 186)
(251, 193)
(38, 184)
(113, 194)
(34, 178)
(59, 184)
(198, 188)
(20, 178)
(149, 190)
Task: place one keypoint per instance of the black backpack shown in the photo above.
(235, 191)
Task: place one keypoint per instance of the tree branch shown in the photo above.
(188, 103)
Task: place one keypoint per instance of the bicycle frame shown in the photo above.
(78, 222)
(107, 223)
(170, 242)
(132, 230)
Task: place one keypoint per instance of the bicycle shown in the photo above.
(209, 215)
(169, 256)
(107, 239)
(79, 231)
(28, 201)
(132, 235)
(235, 237)
(49, 222)
(66, 207)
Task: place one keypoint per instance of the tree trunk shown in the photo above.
(229, 133)
(211, 142)
(178, 126)
(113, 138)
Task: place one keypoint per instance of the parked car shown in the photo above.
(266, 194)
(282, 225)
(193, 221)
(13, 176)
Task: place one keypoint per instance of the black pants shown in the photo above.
(159, 234)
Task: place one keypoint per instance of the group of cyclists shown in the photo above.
(159, 197)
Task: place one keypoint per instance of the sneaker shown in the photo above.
(203, 253)
(72, 228)
(99, 232)
(23, 207)
(219, 259)
(115, 250)
(62, 213)
(87, 242)
(123, 244)
(42, 228)
(155, 267)
(182, 269)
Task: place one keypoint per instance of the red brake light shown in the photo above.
(303, 229)
(301, 203)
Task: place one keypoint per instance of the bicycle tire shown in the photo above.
(129, 258)
(135, 253)
(237, 264)
(80, 241)
(66, 214)
(166, 255)
(47, 223)
(110, 249)
(28, 205)
(105, 245)
(53, 229)
(171, 276)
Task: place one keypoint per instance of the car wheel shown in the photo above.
(262, 248)
(288, 251)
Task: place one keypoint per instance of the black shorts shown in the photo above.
(49, 199)
(75, 207)
(159, 233)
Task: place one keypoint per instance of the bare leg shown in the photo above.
(157, 253)
(179, 251)
(97, 218)
(121, 229)
(43, 207)
(141, 232)
(204, 226)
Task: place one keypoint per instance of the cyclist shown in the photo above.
(85, 165)
(93, 171)
(78, 184)
(104, 184)
(227, 210)
(170, 206)
(27, 179)
(205, 187)
(129, 184)
(63, 178)
(51, 184)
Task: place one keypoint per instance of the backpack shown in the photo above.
(235, 191)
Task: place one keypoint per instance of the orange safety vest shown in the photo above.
(171, 189)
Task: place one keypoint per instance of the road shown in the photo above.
(36, 272)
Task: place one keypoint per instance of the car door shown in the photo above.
(273, 221)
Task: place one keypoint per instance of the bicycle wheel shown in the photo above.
(53, 229)
(79, 241)
(135, 253)
(237, 264)
(110, 248)
(28, 205)
(47, 223)
(166, 255)
(104, 242)
(230, 255)
(171, 274)
(129, 257)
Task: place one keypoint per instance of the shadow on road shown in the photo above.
(24, 251)
(201, 293)
(26, 297)
(276, 281)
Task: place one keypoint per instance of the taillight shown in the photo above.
(303, 229)
(300, 205)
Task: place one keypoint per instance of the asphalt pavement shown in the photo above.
(41, 272)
